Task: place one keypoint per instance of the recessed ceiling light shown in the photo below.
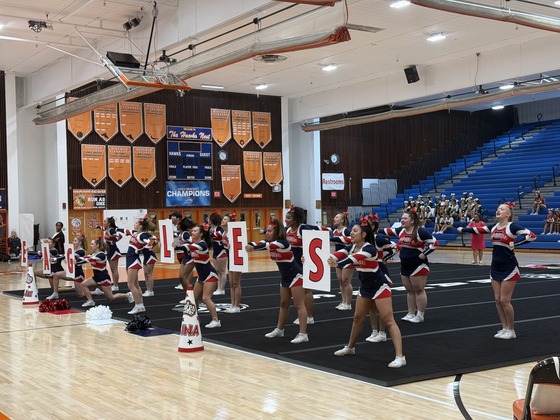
(557, 2)
(1, 25)
(497, 107)
(507, 87)
(399, 4)
(329, 67)
(207, 86)
(261, 86)
(436, 37)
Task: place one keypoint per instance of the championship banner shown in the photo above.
(316, 252)
(89, 199)
(231, 181)
(120, 164)
(167, 252)
(221, 127)
(94, 168)
(144, 166)
(252, 168)
(154, 121)
(24, 254)
(79, 125)
(105, 121)
(46, 257)
(241, 123)
(130, 115)
(238, 256)
(272, 162)
(70, 261)
(262, 132)
(187, 194)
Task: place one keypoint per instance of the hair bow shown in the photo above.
(292, 208)
(272, 222)
(232, 217)
(206, 227)
(213, 212)
(510, 204)
(344, 214)
(373, 217)
(364, 221)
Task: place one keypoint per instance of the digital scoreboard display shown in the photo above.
(189, 160)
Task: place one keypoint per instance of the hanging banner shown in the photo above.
(154, 121)
(94, 168)
(119, 164)
(144, 166)
(105, 121)
(231, 181)
(88, 199)
(252, 168)
(261, 128)
(187, 194)
(79, 125)
(241, 123)
(221, 127)
(272, 162)
(189, 133)
(130, 116)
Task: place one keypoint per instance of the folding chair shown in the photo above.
(542, 398)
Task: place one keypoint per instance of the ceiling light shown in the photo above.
(329, 67)
(507, 87)
(1, 25)
(261, 86)
(436, 37)
(399, 4)
(132, 23)
(207, 86)
(557, 2)
(497, 107)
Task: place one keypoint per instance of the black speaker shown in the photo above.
(123, 59)
(411, 74)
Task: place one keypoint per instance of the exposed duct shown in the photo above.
(445, 105)
(320, 27)
(502, 14)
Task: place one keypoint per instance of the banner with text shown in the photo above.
(120, 164)
(272, 162)
(241, 123)
(88, 199)
(144, 164)
(221, 125)
(79, 125)
(130, 115)
(332, 182)
(262, 131)
(154, 121)
(231, 181)
(105, 121)
(94, 163)
(252, 168)
(187, 194)
(178, 132)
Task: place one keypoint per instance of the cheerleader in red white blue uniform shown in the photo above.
(374, 288)
(98, 260)
(504, 270)
(140, 238)
(234, 276)
(219, 253)
(80, 244)
(111, 236)
(291, 286)
(205, 284)
(415, 243)
(340, 236)
(186, 267)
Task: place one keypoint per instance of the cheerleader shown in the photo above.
(477, 240)
(219, 253)
(80, 245)
(111, 236)
(140, 238)
(504, 270)
(291, 286)
(56, 264)
(549, 223)
(98, 260)
(234, 276)
(187, 264)
(340, 236)
(415, 243)
(374, 289)
(205, 284)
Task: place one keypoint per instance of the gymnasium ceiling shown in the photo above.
(384, 42)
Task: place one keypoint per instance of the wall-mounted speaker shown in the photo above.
(411, 74)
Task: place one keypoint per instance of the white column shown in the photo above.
(12, 154)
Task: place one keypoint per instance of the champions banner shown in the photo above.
(130, 115)
(144, 166)
(187, 194)
(154, 121)
(80, 125)
(105, 121)
(94, 169)
(241, 123)
(252, 168)
(120, 164)
(316, 252)
(261, 128)
(221, 127)
(273, 168)
(231, 181)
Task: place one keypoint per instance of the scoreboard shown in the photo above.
(189, 160)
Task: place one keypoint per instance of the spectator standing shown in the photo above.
(477, 239)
